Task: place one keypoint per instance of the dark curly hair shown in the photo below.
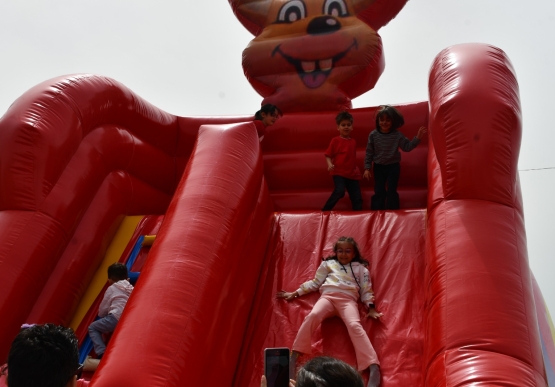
(267, 109)
(43, 355)
(397, 119)
(117, 272)
(351, 241)
(343, 116)
(326, 371)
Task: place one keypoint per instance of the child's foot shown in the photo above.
(375, 376)
(293, 364)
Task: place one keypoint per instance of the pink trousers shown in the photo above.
(342, 305)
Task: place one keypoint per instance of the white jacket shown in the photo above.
(115, 298)
(332, 276)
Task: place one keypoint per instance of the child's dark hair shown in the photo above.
(43, 355)
(397, 119)
(351, 241)
(267, 109)
(117, 272)
(343, 116)
(324, 371)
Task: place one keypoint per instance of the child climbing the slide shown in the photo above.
(111, 307)
(342, 279)
(266, 116)
(382, 150)
(342, 164)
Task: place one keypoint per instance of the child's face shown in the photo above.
(385, 123)
(269, 119)
(345, 252)
(345, 128)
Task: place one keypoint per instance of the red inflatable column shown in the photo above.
(481, 320)
(185, 321)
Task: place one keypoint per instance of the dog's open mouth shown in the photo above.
(314, 73)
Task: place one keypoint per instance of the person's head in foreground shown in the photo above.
(326, 371)
(43, 355)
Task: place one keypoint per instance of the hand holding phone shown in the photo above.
(276, 367)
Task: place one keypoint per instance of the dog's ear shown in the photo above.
(361, 5)
(251, 13)
(377, 13)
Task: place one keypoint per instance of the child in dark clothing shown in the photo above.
(341, 159)
(383, 151)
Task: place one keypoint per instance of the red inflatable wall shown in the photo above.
(77, 154)
(482, 326)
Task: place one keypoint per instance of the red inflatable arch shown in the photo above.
(242, 221)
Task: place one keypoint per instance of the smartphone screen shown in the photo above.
(276, 366)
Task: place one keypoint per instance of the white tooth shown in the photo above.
(325, 64)
(308, 67)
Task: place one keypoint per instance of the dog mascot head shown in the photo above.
(310, 55)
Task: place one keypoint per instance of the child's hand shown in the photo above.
(287, 296)
(331, 167)
(367, 174)
(372, 312)
(421, 132)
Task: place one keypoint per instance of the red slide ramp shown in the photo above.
(394, 244)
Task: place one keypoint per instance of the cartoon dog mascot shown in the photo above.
(311, 55)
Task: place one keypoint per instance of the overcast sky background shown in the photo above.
(185, 58)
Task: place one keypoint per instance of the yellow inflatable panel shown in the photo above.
(113, 254)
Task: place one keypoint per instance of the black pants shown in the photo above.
(353, 188)
(386, 176)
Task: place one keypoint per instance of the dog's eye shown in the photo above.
(336, 8)
(292, 11)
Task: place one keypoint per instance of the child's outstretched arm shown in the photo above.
(287, 296)
(367, 294)
(309, 286)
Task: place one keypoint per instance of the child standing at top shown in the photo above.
(383, 151)
(341, 158)
(111, 307)
(342, 278)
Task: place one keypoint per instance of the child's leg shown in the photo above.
(321, 310)
(338, 193)
(353, 188)
(302, 344)
(374, 379)
(392, 200)
(380, 177)
(364, 351)
(96, 329)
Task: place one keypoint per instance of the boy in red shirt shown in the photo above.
(341, 159)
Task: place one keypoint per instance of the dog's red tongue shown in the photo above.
(314, 80)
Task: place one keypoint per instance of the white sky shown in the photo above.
(185, 57)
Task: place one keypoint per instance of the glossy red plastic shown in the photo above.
(481, 319)
(242, 221)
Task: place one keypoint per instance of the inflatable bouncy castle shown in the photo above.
(89, 171)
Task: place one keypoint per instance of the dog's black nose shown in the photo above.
(323, 25)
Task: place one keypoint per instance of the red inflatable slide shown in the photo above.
(242, 221)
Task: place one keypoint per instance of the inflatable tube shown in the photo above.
(481, 318)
